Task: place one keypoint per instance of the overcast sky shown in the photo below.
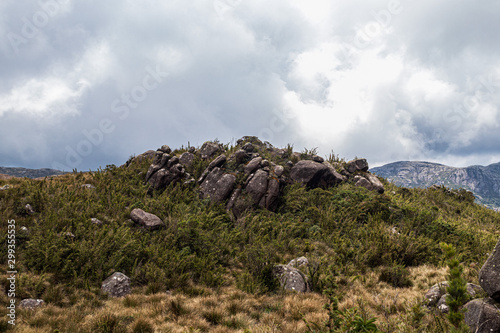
(90, 83)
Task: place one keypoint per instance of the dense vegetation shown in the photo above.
(354, 239)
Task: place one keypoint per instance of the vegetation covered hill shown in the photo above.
(209, 271)
(29, 173)
(483, 181)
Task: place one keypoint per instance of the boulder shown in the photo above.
(482, 315)
(248, 147)
(358, 164)
(147, 220)
(376, 183)
(270, 198)
(314, 174)
(165, 149)
(241, 156)
(435, 293)
(117, 285)
(257, 185)
(209, 149)
(441, 304)
(291, 278)
(164, 177)
(217, 185)
(252, 165)
(88, 186)
(318, 159)
(31, 303)
(278, 170)
(489, 275)
(5, 187)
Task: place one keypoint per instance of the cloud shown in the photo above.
(385, 80)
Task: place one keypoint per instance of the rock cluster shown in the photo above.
(481, 314)
(253, 174)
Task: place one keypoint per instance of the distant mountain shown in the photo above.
(483, 181)
(30, 173)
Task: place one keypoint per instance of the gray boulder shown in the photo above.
(257, 185)
(435, 293)
(291, 278)
(371, 183)
(358, 164)
(165, 149)
(209, 149)
(252, 165)
(95, 221)
(489, 275)
(441, 304)
(187, 159)
(117, 285)
(482, 315)
(31, 303)
(241, 156)
(147, 220)
(314, 174)
(217, 185)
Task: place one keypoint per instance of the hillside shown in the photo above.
(483, 181)
(29, 173)
(244, 238)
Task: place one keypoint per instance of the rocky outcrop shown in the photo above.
(489, 275)
(300, 262)
(117, 285)
(434, 297)
(243, 178)
(147, 220)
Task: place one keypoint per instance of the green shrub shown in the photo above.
(396, 275)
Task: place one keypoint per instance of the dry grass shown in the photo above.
(231, 310)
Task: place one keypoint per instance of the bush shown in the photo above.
(142, 326)
(397, 276)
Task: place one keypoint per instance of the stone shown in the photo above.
(67, 234)
(313, 174)
(88, 186)
(31, 303)
(291, 278)
(171, 162)
(165, 149)
(218, 162)
(218, 185)
(248, 147)
(435, 293)
(264, 163)
(95, 221)
(489, 275)
(299, 262)
(117, 285)
(376, 183)
(29, 209)
(318, 159)
(153, 168)
(187, 159)
(252, 165)
(5, 187)
(241, 156)
(164, 177)
(441, 304)
(147, 220)
(209, 149)
(359, 164)
(278, 170)
(257, 186)
(482, 315)
(270, 199)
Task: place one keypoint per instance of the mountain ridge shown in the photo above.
(483, 181)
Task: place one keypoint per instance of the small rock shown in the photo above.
(441, 304)
(95, 221)
(67, 234)
(29, 209)
(148, 220)
(88, 186)
(264, 163)
(299, 262)
(31, 303)
(359, 164)
(5, 187)
(117, 285)
(278, 170)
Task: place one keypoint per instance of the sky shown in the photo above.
(84, 84)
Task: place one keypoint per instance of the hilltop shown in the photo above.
(243, 238)
(483, 181)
